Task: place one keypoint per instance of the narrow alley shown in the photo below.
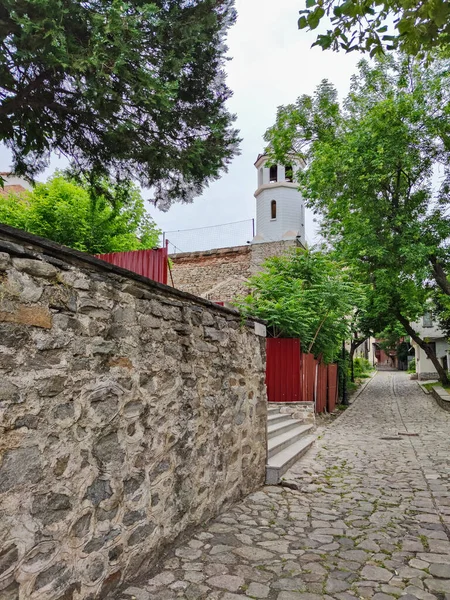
(371, 517)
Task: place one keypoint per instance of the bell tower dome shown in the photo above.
(280, 209)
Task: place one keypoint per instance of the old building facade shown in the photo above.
(221, 274)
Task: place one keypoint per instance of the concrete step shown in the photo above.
(274, 418)
(281, 442)
(283, 427)
(271, 410)
(278, 464)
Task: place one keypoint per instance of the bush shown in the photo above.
(412, 366)
(361, 367)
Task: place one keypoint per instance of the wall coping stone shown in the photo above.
(213, 252)
(54, 252)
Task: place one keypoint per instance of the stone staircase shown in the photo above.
(287, 440)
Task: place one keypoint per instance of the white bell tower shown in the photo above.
(280, 209)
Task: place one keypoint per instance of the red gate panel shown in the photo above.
(321, 388)
(332, 387)
(309, 364)
(283, 370)
(149, 263)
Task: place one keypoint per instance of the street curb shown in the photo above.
(424, 390)
(441, 396)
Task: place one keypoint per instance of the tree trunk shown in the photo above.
(354, 344)
(440, 276)
(426, 348)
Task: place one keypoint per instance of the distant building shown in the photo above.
(14, 184)
(436, 338)
(367, 350)
(221, 274)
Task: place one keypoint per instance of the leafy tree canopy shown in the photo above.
(135, 89)
(304, 294)
(377, 25)
(371, 166)
(83, 218)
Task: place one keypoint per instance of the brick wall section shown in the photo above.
(221, 274)
(128, 412)
(216, 274)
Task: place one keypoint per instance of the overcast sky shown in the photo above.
(272, 64)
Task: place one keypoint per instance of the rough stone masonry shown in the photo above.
(129, 412)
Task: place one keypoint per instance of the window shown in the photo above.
(273, 209)
(289, 176)
(427, 321)
(273, 174)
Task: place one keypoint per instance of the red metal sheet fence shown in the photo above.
(332, 387)
(321, 388)
(292, 376)
(283, 373)
(149, 263)
(309, 364)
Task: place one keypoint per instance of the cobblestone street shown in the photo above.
(371, 517)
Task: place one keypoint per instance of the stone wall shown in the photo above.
(215, 274)
(222, 274)
(129, 412)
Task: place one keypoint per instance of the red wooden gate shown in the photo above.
(332, 387)
(283, 376)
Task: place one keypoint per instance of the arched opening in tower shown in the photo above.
(273, 174)
(273, 209)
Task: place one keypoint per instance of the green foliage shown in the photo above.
(412, 366)
(362, 367)
(370, 173)
(418, 27)
(304, 294)
(109, 218)
(402, 351)
(133, 89)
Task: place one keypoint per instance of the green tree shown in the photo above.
(307, 295)
(135, 89)
(370, 167)
(378, 25)
(83, 218)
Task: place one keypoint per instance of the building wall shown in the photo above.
(215, 274)
(14, 184)
(424, 367)
(129, 412)
(222, 274)
(290, 220)
(367, 350)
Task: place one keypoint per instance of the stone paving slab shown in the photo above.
(370, 517)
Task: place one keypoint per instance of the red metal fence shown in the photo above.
(309, 365)
(332, 387)
(321, 388)
(292, 376)
(149, 263)
(283, 370)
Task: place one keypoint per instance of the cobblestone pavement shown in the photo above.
(371, 518)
